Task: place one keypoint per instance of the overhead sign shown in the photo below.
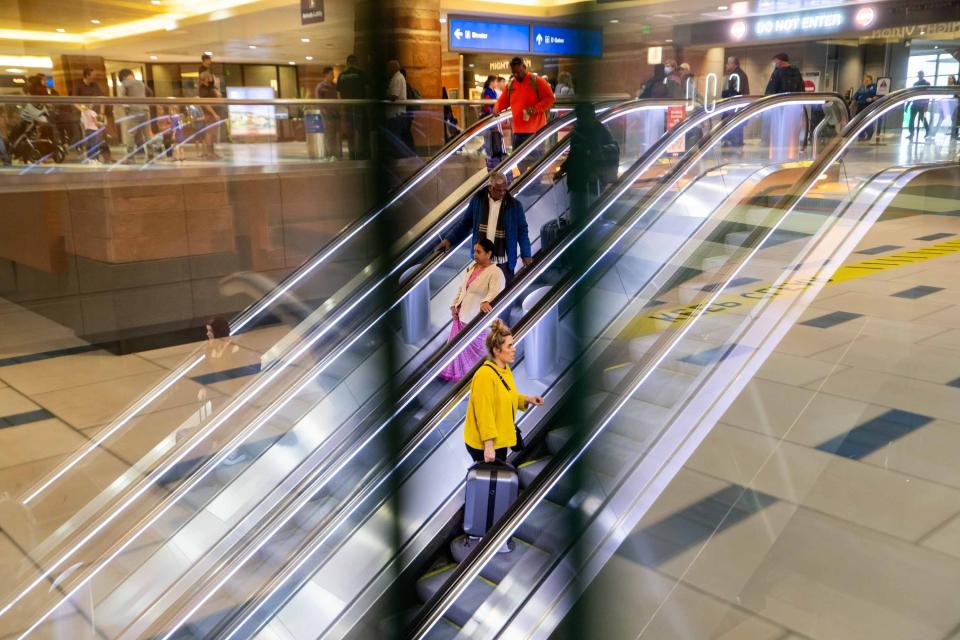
(883, 86)
(311, 11)
(477, 35)
(567, 41)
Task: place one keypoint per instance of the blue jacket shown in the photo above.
(514, 222)
(863, 95)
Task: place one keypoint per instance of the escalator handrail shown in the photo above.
(471, 566)
(856, 125)
(329, 454)
(146, 480)
(430, 422)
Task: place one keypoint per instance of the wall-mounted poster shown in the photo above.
(252, 120)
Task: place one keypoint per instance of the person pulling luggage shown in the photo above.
(490, 428)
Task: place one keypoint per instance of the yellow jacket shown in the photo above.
(491, 408)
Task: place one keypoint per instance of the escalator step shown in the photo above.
(443, 630)
(430, 583)
(502, 563)
(530, 470)
(609, 453)
(544, 528)
(476, 593)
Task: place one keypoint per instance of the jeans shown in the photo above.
(921, 113)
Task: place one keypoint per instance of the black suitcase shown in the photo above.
(491, 489)
(551, 232)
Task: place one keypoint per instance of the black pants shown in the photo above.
(507, 272)
(477, 454)
(918, 113)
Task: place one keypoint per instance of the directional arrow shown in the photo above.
(458, 34)
(539, 38)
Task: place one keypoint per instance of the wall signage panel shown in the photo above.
(567, 41)
(477, 35)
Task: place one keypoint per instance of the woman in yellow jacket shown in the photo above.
(494, 400)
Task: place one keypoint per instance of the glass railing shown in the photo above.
(235, 411)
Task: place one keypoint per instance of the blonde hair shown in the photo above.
(499, 332)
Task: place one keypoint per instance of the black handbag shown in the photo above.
(519, 446)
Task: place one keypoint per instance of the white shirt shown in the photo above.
(398, 90)
(492, 220)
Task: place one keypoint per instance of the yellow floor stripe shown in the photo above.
(660, 319)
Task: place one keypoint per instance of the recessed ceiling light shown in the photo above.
(252, 46)
(95, 21)
(15, 71)
(61, 30)
(208, 53)
(308, 57)
(668, 40)
(291, 62)
(923, 33)
(170, 26)
(614, 21)
(443, 19)
(722, 7)
(472, 65)
(155, 2)
(304, 39)
(153, 57)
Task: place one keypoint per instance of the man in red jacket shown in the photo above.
(529, 97)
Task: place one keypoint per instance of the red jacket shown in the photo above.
(522, 95)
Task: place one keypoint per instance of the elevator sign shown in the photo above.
(477, 35)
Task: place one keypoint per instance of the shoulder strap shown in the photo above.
(533, 79)
(492, 368)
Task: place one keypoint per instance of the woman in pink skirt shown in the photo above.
(482, 283)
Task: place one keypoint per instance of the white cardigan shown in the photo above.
(485, 288)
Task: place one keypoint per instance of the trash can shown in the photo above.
(313, 131)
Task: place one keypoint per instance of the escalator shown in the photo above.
(431, 446)
(652, 396)
(304, 442)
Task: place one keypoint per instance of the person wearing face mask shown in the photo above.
(785, 77)
(672, 79)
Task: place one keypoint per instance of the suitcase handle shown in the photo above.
(495, 463)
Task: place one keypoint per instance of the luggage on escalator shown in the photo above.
(491, 489)
(553, 231)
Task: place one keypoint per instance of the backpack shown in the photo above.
(792, 80)
(413, 94)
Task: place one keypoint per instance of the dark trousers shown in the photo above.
(519, 139)
(921, 113)
(507, 272)
(477, 454)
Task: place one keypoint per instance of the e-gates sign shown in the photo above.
(476, 35)
(566, 41)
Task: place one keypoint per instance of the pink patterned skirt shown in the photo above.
(466, 359)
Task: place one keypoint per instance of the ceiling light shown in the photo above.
(208, 53)
(668, 40)
(61, 30)
(291, 62)
(94, 21)
(170, 26)
(16, 71)
(155, 2)
(923, 33)
(722, 7)
(304, 39)
(614, 21)
(30, 62)
(252, 46)
(443, 19)
(740, 8)
(308, 58)
(153, 57)
(472, 65)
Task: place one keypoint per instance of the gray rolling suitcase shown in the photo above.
(491, 489)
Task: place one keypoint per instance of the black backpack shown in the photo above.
(792, 80)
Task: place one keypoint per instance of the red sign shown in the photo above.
(675, 116)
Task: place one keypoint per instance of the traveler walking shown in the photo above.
(864, 95)
(496, 215)
(529, 98)
(918, 109)
(490, 426)
(327, 90)
(353, 84)
(137, 115)
(737, 85)
(482, 282)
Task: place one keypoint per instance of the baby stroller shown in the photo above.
(30, 140)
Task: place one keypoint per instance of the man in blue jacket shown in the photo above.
(495, 214)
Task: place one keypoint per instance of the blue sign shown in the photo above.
(566, 41)
(476, 35)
